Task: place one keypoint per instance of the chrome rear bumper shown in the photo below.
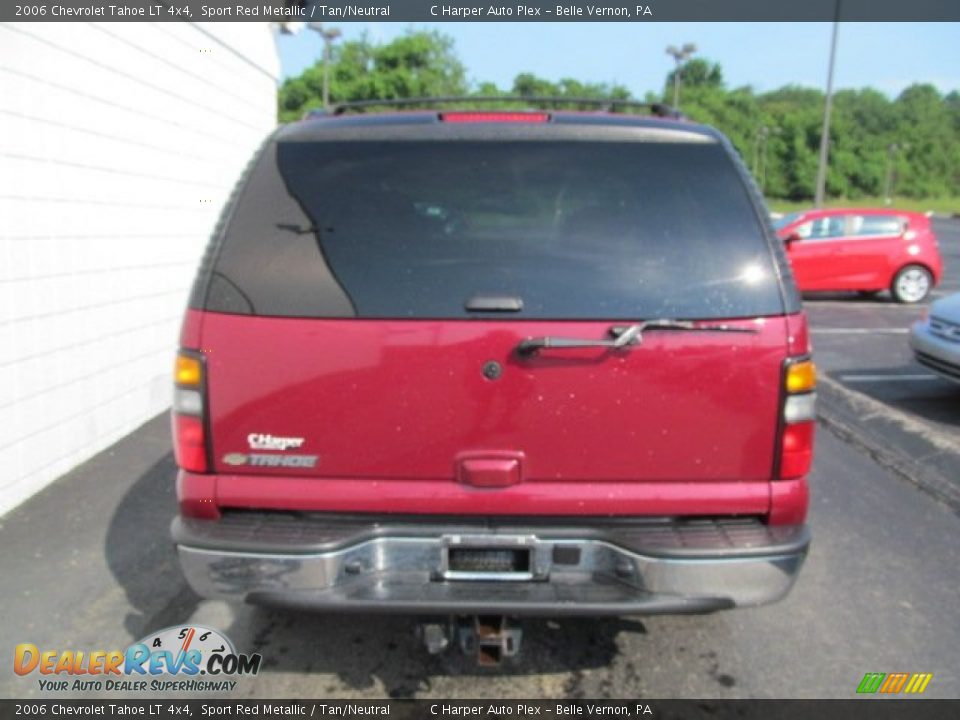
(598, 568)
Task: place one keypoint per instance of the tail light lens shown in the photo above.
(799, 415)
(800, 376)
(796, 455)
(189, 429)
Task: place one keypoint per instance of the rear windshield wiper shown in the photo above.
(623, 336)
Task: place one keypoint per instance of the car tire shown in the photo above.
(911, 284)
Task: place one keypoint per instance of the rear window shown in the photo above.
(573, 230)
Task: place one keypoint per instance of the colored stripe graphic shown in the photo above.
(893, 683)
(870, 683)
(918, 682)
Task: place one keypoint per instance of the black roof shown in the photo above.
(429, 124)
(566, 118)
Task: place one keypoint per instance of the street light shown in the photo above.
(328, 37)
(892, 151)
(679, 56)
(820, 191)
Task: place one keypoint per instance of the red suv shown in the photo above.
(864, 250)
(494, 362)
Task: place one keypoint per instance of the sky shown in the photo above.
(885, 56)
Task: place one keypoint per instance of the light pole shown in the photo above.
(820, 191)
(760, 154)
(679, 55)
(892, 151)
(328, 37)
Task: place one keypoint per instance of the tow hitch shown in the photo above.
(489, 638)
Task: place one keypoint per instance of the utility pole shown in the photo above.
(760, 147)
(892, 151)
(679, 55)
(820, 191)
(328, 37)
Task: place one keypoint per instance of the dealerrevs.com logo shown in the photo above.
(181, 658)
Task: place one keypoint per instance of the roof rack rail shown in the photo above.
(602, 104)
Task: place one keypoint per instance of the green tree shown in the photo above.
(418, 64)
(529, 85)
(777, 133)
(928, 161)
(695, 73)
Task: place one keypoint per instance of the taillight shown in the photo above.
(799, 416)
(189, 430)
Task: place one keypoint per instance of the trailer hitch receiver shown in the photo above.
(490, 638)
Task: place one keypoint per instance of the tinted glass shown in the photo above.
(820, 228)
(573, 229)
(876, 225)
(786, 220)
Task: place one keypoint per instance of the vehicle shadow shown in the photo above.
(357, 651)
(941, 405)
(360, 650)
(936, 400)
(854, 298)
(141, 556)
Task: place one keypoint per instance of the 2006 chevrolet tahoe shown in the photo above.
(494, 362)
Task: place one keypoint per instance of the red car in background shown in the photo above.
(864, 250)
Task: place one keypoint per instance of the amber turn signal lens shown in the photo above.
(188, 371)
(801, 376)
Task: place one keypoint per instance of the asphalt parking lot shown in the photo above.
(904, 414)
(87, 563)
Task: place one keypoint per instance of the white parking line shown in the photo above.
(853, 304)
(859, 331)
(886, 378)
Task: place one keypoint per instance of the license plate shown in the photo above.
(488, 560)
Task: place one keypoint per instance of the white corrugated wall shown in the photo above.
(118, 144)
